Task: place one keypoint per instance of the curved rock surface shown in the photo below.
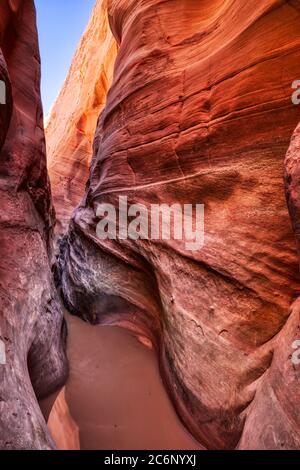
(32, 361)
(200, 111)
(62, 426)
(73, 119)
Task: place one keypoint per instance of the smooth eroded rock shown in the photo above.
(200, 111)
(32, 331)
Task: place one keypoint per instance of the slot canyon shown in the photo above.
(141, 343)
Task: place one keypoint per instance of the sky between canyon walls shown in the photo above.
(61, 25)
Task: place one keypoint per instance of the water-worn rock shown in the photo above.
(200, 111)
(33, 364)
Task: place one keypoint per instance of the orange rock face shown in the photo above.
(72, 123)
(62, 427)
(32, 333)
(199, 111)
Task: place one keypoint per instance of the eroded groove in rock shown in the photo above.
(31, 320)
(200, 112)
(72, 123)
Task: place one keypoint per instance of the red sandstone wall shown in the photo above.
(200, 111)
(31, 319)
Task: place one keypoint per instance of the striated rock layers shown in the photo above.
(71, 127)
(32, 362)
(199, 111)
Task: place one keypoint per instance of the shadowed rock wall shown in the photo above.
(32, 335)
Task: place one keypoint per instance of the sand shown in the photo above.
(115, 395)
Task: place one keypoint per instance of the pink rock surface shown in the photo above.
(32, 331)
(200, 111)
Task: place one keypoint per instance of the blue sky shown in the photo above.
(60, 24)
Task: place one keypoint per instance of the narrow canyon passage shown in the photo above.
(159, 110)
(115, 393)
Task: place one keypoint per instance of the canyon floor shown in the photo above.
(115, 394)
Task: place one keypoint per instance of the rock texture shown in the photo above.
(31, 320)
(292, 183)
(62, 426)
(200, 111)
(73, 119)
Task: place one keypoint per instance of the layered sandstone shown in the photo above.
(32, 332)
(73, 119)
(200, 111)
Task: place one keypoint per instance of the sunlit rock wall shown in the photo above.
(200, 111)
(72, 122)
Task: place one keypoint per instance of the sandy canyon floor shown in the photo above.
(115, 395)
